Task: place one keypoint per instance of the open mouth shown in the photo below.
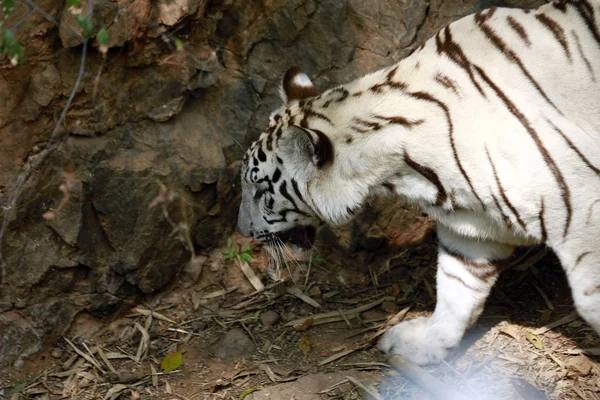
(301, 236)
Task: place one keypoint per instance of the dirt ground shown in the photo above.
(312, 338)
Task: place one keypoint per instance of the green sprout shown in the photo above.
(11, 48)
(7, 7)
(86, 24)
(317, 259)
(232, 253)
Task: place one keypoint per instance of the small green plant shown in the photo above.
(232, 253)
(9, 45)
(317, 259)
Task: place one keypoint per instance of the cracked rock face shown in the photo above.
(161, 110)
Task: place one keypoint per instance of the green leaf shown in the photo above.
(11, 391)
(247, 249)
(248, 392)
(73, 3)
(229, 242)
(317, 259)
(8, 7)
(86, 24)
(8, 39)
(178, 44)
(172, 361)
(534, 340)
(246, 257)
(102, 36)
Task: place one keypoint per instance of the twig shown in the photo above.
(564, 320)
(421, 377)
(250, 274)
(339, 355)
(546, 299)
(86, 356)
(358, 383)
(335, 314)
(297, 292)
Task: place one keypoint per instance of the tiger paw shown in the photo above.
(418, 340)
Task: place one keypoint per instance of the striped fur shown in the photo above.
(492, 127)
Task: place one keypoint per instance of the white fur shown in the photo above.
(483, 128)
(303, 80)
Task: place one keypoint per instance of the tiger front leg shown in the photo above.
(466, 273)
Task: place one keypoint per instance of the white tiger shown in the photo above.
(492, 127)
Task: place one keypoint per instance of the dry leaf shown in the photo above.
(535, 340)
(172, 361)
(510, 330)
(115, 391)
(304, 345)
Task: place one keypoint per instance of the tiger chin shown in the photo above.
(492, 127)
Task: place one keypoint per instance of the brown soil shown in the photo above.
(496, 361)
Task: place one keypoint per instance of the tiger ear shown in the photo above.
(296, 85)
(308, 145)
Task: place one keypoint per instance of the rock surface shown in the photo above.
(183, 85)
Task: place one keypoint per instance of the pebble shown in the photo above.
(315, 292)
(234, 344)
(198, 326)
(269, 318)
(131, 376)
(57, 352)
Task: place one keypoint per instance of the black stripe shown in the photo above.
(565, 192)
(284, 192)
(397, 120)
(503, 193)
(575, 149)
(582, 256)
(512, 56)
(455, 54)
(543, 223)
(458, 279)
(483, 271)
(429, 98)
(431, 176)
(446, 82)
(585, 59)
(519, 29)
(276, 175)
(507, 220)
(586, 12)
(557, 31)
(297, 192)
(308, 113)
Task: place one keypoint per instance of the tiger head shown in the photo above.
(280, 169)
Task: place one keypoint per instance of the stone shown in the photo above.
(234, 344)
(269, 318)
(315, 292)
(44, 86)
(57, 352)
